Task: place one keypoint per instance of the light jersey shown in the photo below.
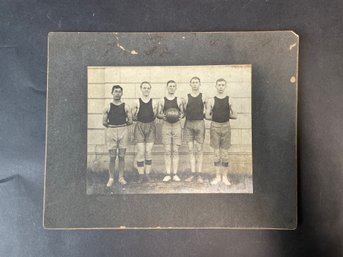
(170, 104)
(116, 114)
(221, 110)
(146, 112)
(195, 108)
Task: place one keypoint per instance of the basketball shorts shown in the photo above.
(145, 132)
(171, 133)
(220, 135)
(117, 137)
(194, 130)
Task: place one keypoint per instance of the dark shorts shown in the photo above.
(194, 130)
(220, 135)
(171, 132)
(117, 137)
(145, 132)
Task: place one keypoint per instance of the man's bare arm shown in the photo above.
(160, 113)
(128, 115)
(208, 109)
(181, 107)
(233, 114)
(135, 109)
(105, 118)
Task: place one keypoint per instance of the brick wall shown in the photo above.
(101, 80)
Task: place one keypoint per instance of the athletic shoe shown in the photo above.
(176, 178)
(226, 181)
(110, 182)
(200, 180)
(189, 179)
(216, 180)
(166, 178)
(122, 181)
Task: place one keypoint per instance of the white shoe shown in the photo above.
(226, 181)
(110, 182)
(166, 178)
(189, 179)
(122, 181)
(176, 178)
(200, 180)
(216, 180)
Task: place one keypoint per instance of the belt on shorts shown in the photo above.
(117, 126)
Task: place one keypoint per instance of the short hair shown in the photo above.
(220, 80)
(171, 81)
(115, 87)
(145, 82)
(197, 78)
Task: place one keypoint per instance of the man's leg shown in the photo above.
(148, 158)
(175, 162)
(192, 160)
(199, 159)
(225, 165)
(111, 166)
(217, 165)
(121, 164)
(140, 160)
(167, 159)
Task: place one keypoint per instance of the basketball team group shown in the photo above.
(171, 109)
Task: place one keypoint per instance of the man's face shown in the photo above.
(195, 84)
(145, 88)
(171, 88)
(117, 93)
(221, 85)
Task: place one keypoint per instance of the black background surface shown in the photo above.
(24, 26)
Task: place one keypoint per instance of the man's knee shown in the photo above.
(112, 153)
(121, 153)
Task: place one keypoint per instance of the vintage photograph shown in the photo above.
(169, 129)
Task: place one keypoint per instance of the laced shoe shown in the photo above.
(167, 178)
(176, 178)
(122, 181)
(110, 182)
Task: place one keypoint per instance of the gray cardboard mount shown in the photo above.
(274, 59)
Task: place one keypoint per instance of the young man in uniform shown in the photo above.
(144, 112)
(194, 130)
(171, 131)
(117, 116)
(219, 110)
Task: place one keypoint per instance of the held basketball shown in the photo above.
(172, 115)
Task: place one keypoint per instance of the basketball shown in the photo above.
(172, 115)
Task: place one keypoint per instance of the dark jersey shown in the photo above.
(146, 112)
(116, 114)
(170, 104)
(221, 110)
(195, 108)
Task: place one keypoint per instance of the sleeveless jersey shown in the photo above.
(117, 114)
(145, 113)
(221, 110)
(195, 108)
(170, 104)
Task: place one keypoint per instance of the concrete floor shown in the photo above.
(96, 184)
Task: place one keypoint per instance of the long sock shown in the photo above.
(121, 166)
(148, 166)
(111, 166)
